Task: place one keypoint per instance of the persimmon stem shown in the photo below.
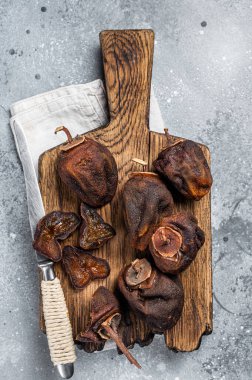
(167, 134)
(113, 335)
(141, 162)
(64, 129)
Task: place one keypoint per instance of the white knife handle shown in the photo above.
(58, 326)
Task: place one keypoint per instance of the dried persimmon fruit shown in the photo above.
(175, 243)
(146, 201)
(155, 297)
(88, 168)
(94, 232)
(184, 165)
(105, 318)
(57, 225)
(82, 267)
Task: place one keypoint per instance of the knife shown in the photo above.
(58, 326)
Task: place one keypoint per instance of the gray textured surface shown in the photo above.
(202, 78)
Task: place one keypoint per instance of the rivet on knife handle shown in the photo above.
(58, 327)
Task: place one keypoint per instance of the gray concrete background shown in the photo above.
(202, 78)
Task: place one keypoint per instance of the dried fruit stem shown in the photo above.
(113, 335)
(141, 162)
(167, 135)
(64, 129)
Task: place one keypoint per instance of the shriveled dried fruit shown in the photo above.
(158, 299)
(82, 267)
(175, 244)
(88, 168)
(57, 225)
(94, 232)
(146, 201)
(105, 318)
(184, 165)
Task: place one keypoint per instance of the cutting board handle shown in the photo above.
(127, 59)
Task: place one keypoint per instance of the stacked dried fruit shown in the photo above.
(89, 170)
(169, 240)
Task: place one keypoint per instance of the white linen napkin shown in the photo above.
(81, 108)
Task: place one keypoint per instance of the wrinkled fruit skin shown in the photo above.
(146, 201)
(94, 232)
(103, 305)
(185, 167)
(89, 169)
(56, 225)
(160, 305)
(192, 239)
(82, 267)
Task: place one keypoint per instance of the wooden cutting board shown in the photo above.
(127, 59)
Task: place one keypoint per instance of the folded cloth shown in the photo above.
(81, 108)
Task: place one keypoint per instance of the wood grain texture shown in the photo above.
(127, 57)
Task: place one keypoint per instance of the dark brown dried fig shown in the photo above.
(105, 318)
(158, 299)
(184, 165)
(146, 201)
(88, 168)
(94, 232)
(57, 225)
(175, 244)
(82, 267)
